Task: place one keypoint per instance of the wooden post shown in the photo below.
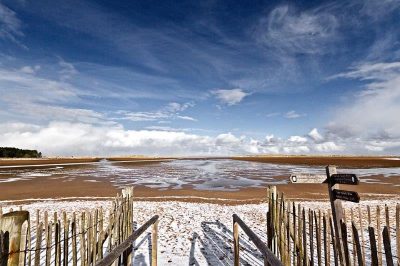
(154, 249)
(335, 251)
(318, 232)
(82, 240)
(49, 238)
(398, 232)
(360, 218)
(337, 212)
(296, 254)
(16, 224)
(73, 235)
(299, 233)
(372, 241)
(57, 244)
(387, 245)
(304, 232)
(357, 244)
(311, 234)
(236, 243)
(4, 244)
(345, 243)
(65, 238)
(39, 230)
(378, 230)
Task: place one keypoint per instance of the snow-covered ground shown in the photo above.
(198, 233)
(189, 233)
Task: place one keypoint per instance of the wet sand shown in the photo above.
(48, 187)
(45, 188)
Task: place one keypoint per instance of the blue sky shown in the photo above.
(200, 77)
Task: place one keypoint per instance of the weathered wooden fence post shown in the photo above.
(16, 225)
(337, 212)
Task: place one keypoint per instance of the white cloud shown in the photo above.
(298, 139)
(372, 113)
(293, 114)
(185, 117)
(170, 111)
(10, 25)
(294, 31)
(315, 135)
(30, 69)
(230, 97)
(328, 146)
(67, 69)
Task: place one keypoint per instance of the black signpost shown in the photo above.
(346, 195)
(348, 179)
(336, 195)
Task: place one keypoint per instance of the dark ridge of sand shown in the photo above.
(339, 161)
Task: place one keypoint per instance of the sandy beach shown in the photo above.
(44, 186)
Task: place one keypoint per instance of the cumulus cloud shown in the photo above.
(293, 31)
(298, 139)
(230, 97)
(315, 135)
(76, 138)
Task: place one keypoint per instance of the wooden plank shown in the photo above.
(65, 239)
(117, 251)
(356, 239)
(3, 248)
(360, 218)
(318, 232)
(374, 251)
(311, 234)
(57, 243)
(387, 246)
(82, 240)
(89, 239)
(326, 239)
(288, 250)
(304, 237)
(398, 232)
(378, 230)
(154, 248)
(299, 233)
(39, 231)
(352, 236)
(337, 212)
(345, 243)
(296, 250)
(73, 235)
(334, 246)
(49, 238)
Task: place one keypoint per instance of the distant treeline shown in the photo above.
(7, 152)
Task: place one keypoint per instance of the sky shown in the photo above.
(99, 78)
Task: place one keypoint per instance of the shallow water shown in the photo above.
(223, 175)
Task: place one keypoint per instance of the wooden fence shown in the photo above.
(305, 236)
(66, 239)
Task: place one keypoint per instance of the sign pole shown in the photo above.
(337, 211)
